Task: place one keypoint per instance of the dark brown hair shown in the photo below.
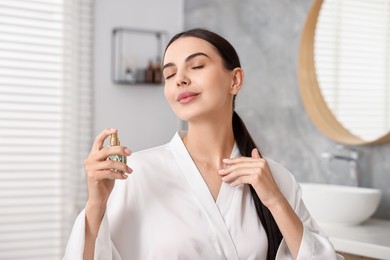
(243, 139)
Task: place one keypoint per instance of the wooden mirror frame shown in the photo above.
(311, 95)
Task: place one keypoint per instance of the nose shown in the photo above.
(182, 80)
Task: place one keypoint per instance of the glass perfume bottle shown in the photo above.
(114, 141)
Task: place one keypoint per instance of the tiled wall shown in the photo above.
(266, 35)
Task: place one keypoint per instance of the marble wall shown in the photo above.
(266, 35)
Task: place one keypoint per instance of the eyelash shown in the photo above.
(195, 68)
(198, 67)
(170, 76)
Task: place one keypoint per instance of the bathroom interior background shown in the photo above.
(266, 35)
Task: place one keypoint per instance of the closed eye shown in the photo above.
(170, 76)
(198, 67)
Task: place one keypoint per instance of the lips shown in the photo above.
(186, 97)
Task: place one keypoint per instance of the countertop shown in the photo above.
(370, 239)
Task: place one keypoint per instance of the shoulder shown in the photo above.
(285, 180)
(147, 153)
(151, 162)
(150, 155)
(160, 156)
(279, 172)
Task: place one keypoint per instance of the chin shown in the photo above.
(190, 113)
(183, 114)
(183, 117)
(186, 116)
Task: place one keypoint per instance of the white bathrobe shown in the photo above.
(164, 210)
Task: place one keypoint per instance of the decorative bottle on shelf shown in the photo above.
(149, 72)
(157, 75)
(129, 76)
(114, 141)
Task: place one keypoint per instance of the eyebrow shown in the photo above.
(187, 59)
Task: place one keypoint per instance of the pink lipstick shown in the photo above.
(186, 97)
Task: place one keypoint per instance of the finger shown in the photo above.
(238, 173)
(255, 153)
(230, 161)
(105, 152)
(233, 167)
(110, 175)
(99, 140)
(242, 180)
(110, 165)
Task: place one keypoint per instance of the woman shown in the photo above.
(208, 194)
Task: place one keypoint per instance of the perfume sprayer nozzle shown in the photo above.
(114, 141)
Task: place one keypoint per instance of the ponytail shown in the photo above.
(246, 144)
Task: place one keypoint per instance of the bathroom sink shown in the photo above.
(340, 205)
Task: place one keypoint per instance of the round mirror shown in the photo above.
(344, 69)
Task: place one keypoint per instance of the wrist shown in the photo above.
(277, 203)
(95, 208)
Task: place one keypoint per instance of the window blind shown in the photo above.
(45, 123)
(352, 59)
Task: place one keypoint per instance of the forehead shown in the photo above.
(185, 46)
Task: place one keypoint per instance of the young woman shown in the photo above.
(207, 194)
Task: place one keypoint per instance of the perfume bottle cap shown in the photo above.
(114, 141)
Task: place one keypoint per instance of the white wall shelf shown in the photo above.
(136, 56)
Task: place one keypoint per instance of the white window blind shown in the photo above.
(352, 58)
(45, 123)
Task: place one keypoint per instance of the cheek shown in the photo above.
(165, 91)
(218, 85)
(169, 94)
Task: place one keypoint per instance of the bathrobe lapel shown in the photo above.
(223, 241)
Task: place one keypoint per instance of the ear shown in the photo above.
(237, 80)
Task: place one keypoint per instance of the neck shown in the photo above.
(210, 141)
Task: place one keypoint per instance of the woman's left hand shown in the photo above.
(254, 171)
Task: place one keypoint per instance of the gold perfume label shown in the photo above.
(118, 158)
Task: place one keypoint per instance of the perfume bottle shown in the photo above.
(114, 141)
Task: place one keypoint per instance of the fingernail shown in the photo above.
(112, 129)
(127, 151)
(221, 171)
(225, 160)
(124, 176)
(129, 170)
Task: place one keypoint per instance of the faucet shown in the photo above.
(351, 158)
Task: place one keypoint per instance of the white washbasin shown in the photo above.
(340, 205)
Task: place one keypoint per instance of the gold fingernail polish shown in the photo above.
(114, 141)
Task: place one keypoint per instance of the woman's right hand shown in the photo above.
(101, 179)
(100, 175)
